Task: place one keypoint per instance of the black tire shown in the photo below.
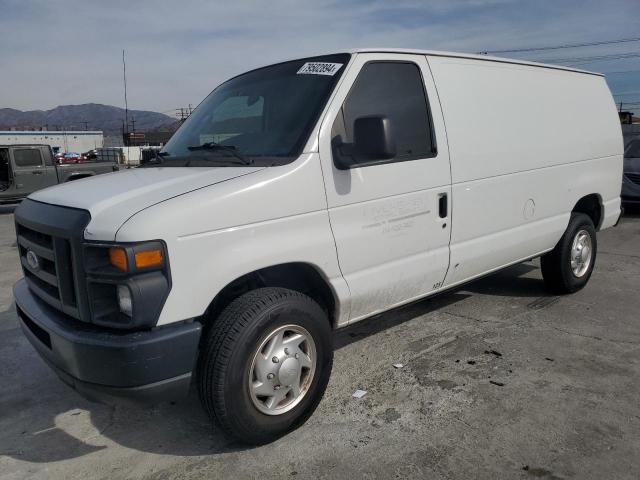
(225, 361)
(556, 265)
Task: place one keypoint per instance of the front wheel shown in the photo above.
(266, 364)
(568, 267)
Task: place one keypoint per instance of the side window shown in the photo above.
(393, 90)
(4, 168)
(48, 157)
(27, 157)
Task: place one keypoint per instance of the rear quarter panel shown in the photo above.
(68, 172)
(526, 143)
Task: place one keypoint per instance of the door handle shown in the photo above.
(443, 205)
(37, 172)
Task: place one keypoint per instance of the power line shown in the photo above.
(567, 45)
(592, 58)
(620, 72)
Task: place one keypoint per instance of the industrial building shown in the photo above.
(60, 141)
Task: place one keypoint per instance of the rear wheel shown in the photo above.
(266, 364)
(568, 267)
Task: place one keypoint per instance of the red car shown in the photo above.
(70, 157)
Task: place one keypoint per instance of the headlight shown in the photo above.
(124, 300)
(127, 283)
(144, 256)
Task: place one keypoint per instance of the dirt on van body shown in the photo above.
(499, 380)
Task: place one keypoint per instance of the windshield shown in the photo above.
(263, 117)
(633, 150)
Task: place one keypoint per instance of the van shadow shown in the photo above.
(42, 420)
(511, 282)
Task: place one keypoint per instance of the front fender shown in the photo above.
(220, 233)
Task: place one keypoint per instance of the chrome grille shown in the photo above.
(51, 279)
(50, 240)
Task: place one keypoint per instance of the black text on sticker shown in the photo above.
(319, 68)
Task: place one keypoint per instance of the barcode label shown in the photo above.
(319, 68)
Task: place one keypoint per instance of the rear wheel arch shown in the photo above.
(590, 205)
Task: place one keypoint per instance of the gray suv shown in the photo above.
(631, 175)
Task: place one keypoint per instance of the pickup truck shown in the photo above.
(27, 168)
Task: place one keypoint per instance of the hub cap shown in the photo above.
(282, 369)
(581, 253)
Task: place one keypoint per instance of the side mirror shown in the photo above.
(373, 143)
(373, 138)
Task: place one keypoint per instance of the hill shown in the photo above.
(73, 117)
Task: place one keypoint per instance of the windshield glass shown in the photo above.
(262, 117)
(633, 150)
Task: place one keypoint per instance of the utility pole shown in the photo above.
(126, 105)
(184, 112)
(133, 124)
(86, 125)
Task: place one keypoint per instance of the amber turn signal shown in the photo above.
(148, 258)
(118, 258)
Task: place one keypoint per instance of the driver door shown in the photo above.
(30, 171)
(390, 220)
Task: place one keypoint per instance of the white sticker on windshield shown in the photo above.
(319, 68)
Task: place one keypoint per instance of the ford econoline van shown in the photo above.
(302, 197)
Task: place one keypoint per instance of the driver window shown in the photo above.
(394, 90)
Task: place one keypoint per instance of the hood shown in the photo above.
(114, 197)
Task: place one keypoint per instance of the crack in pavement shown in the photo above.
(618, 254)
(593, 337)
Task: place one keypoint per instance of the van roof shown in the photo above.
(486, 58)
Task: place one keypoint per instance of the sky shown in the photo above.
(70, 51)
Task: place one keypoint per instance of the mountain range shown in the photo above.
(88, 116)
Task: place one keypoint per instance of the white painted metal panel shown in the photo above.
(526, 144)
(392, 244)
(217, 234)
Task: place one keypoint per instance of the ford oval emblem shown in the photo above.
(32, 260)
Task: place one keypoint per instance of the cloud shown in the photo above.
(70, 51)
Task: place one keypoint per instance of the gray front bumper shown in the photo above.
(109, 365)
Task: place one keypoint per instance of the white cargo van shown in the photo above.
(305, 196)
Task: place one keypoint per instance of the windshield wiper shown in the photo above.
(231, 149)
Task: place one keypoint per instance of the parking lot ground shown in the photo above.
(501, 380)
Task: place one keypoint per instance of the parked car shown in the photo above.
(108, 154)
(27, 168)
(71, 157)
(303, 197)
(631, 176)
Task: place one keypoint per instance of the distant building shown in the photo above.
(60, 141)
(150, 138)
